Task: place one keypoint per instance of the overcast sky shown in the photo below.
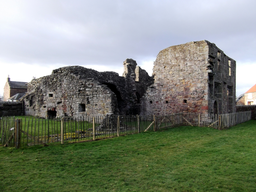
(37, 36)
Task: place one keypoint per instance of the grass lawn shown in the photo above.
(179, 159)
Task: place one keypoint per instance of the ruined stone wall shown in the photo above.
(137, 81)
(192, 77)
(76, 91)
(181, 80)
(222, 81)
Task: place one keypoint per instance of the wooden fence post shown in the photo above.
(199, 120)
(138, 123)
(93, 128)
(62, 131)
(17, 133)
(154, 119)
(219, 122)
(118, 126)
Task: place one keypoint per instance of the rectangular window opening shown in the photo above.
(229, 67)
(81, 107)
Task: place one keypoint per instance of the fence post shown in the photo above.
(138, 123)
(219, 122)
(118, 126)
(154, 119)
(17, 133)
(62, 131)
(199, 120)
(93, 128)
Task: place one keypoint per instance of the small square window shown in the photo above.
(81, 108)
(184, 101)
(50, 95)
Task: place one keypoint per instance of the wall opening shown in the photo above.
(32, 101)
(138, 97)
(229, 67)
(230, 102)
(184, 101)
(217, 90)
(51, 114)
(81, 107)
(120, 102)
(230, 91)
(50, 95)
(215, 107)
(219, 55)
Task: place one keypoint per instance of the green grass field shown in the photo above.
(178, 159)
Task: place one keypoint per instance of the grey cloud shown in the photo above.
(107, 32)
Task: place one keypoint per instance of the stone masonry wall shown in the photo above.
(222, 81)
(193, 77)
(76, 91)
(181, 81)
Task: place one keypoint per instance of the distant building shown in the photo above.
(250, 96)
(13, 87)
(240, 100)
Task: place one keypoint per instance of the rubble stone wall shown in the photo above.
(185, 76)
(76, 91)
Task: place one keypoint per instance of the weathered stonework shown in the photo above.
(193, 77)
(76, 91)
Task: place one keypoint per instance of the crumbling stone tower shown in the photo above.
(193, 77)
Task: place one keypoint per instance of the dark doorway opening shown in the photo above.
(215, 108)
(51, 114)
(138, 97)
(120, 101)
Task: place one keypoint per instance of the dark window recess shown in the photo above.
(31, 101)
(138, 97)
(230, 91)
(166, 101)
(81, 108)
(59, 102)
(88, 101)
(50, 95)
(44, 106)
(184, 101)
(150, 102)
(95, 104)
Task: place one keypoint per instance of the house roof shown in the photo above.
(18, 85)
(16, 97)
(252, 89)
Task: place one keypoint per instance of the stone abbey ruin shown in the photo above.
(194, 77)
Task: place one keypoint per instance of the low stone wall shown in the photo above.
(11, 109)
(251, 108)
